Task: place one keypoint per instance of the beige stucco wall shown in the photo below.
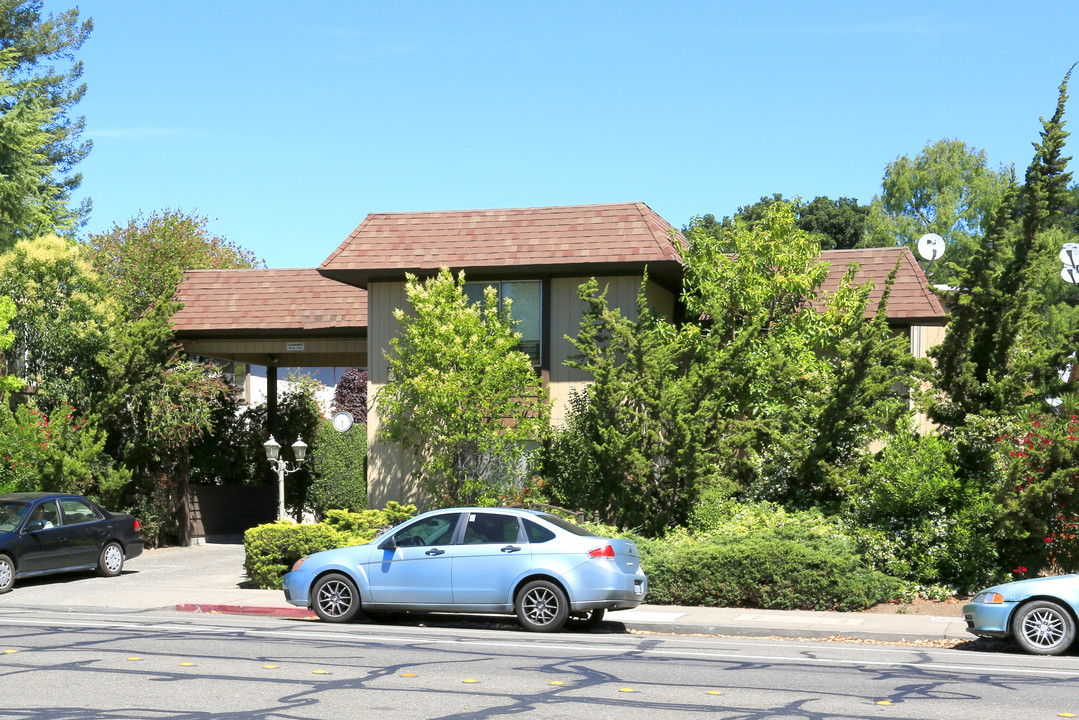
(388, 464)
(922, 338)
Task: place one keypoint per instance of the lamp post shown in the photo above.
(273, 452)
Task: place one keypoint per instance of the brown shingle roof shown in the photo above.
(597, 239)
(911, 300)
(239, 301)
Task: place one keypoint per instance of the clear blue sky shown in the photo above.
(289, 122)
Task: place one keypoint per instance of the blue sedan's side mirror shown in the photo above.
(35, 525)
(388, 544)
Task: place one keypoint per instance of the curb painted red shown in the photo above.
(293, 612)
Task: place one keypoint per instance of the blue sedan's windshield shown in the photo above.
(11, 513)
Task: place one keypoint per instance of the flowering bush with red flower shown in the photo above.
(1039, 525)
(55, 452)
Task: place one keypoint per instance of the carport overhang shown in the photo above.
(275, 318)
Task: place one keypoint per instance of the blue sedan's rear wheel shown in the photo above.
(542, 606)
(7, 574)
(1043, 628)
(335, 598)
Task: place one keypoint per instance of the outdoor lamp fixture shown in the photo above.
(273, 453)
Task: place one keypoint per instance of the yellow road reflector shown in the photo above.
(10, 652)
(884, 702)
(1066, 715)
(187, 664)
(133, 658)
(627, 690)
(715, 692)
(319, 672)
(269, 667)
(409, 675)
(557, 682)
(469, 680)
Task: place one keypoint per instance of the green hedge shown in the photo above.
(763, 571)
(271, 550)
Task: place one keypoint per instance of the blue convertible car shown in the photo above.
(476, 560)
(1039, 613)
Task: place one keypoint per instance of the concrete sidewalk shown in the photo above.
(209, 578)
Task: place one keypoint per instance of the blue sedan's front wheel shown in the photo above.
(1043, 628)
(335, 598)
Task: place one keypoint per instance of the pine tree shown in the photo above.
(40, 84)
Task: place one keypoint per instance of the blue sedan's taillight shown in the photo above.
(607, 551)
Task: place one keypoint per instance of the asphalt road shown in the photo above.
(79, 665)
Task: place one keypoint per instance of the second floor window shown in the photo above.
(525, 309)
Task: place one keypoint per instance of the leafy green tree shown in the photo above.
(949, 189)
(838, 224)
(40, 140)
(144, 261)
(774, 389)
(61, 321)
(8, 383)
(834, 224)
(462, 395)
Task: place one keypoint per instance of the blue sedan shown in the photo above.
(477, 560)
(1040, 613)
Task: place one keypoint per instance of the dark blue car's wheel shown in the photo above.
(335, 598)
(542, 606)
(111, 560)
(7, 574)
(1043, 628)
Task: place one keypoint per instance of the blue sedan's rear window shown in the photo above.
(537, 533)
(566, 525)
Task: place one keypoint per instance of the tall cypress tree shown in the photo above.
(995, 358)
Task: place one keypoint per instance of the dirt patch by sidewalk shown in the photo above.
(952, 607)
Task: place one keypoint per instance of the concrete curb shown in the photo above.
(663, 628)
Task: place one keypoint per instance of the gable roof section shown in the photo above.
(911, 301)
(257, 302)
(591, 239)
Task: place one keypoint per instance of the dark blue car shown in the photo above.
(44, 533)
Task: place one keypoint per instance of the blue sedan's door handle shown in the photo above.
(435, 551)
(510, 548)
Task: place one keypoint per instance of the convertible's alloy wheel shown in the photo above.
(1044, 628)
(335, 598)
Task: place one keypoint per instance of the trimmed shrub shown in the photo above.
(271, 550)
(338, 467)
(765, 570)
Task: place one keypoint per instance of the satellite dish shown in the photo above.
(1069, 254)
(1070, 274)
(931, 246)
